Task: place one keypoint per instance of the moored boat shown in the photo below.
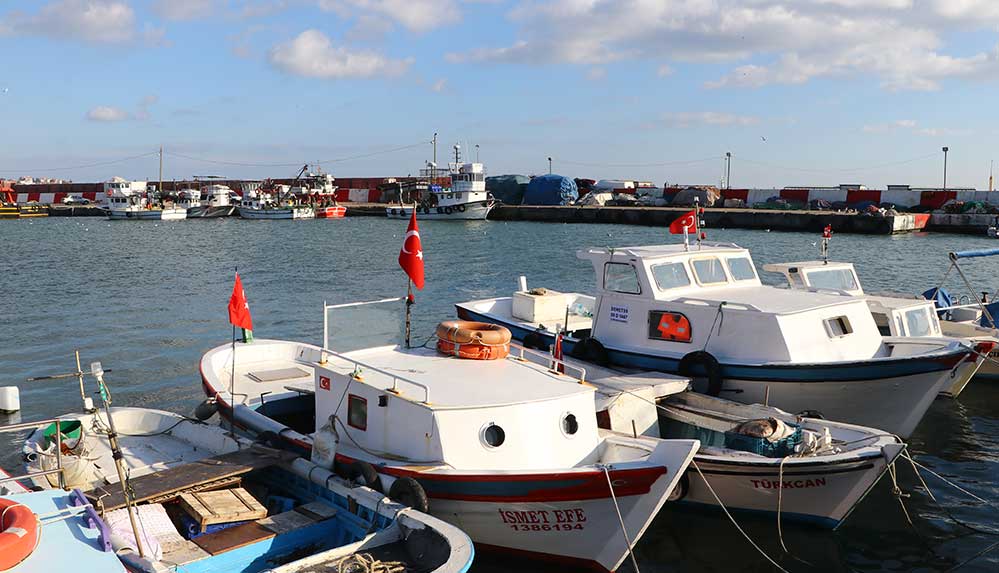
(506, 448)
(209, 202)
(465, 200)
(126, 201)
(702, 312)
(270, 202)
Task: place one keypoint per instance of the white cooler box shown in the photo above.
(548, 307)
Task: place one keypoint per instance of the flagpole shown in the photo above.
(409, 303)
(232, 377)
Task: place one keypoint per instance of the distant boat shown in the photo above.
(318, 191)
(208, 202)
(465, 200)
(127, 202)
(261, 203)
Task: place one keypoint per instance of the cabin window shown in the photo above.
(357, 412)
(621, 277)
(670, 326)
(839, 279)
(493, 435)
(918, 323)
(741, 269)
(670, 275)
(709, 271)
(570, 425)
(838, 326)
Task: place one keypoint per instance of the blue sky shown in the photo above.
(800, 92)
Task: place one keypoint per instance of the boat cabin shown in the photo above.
(671, 300)
(217, 195)
(468, 185)
(895, 316)
(422, 407)
(189, 198)
(121, 194)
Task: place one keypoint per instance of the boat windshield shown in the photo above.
(621, 277)
(840, 279)
(918, 322)
(709, 271)
(741, 269)
(670, 275)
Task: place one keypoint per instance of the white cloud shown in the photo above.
(912, 126)
(440, 85)
(664, 71)
(184, 9)
(415, 15)
(312, 54)
(99, 21)
(108, 114)
(685, 119)
(764, 41)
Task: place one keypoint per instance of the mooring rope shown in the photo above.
(617, 508)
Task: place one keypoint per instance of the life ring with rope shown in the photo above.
(20, 531)
(473, 340)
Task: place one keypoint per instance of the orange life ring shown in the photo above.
(20, 533)
(473, 340)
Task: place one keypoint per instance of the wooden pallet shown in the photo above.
(223, 506)
(201, 475)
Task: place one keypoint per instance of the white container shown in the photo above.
(548, 307)
(10, 399)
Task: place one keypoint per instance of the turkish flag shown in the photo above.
(411, 255)
(239, 309)
(686, 223)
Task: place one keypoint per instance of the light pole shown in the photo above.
(549, 165)
(945, 150)
(476, 152)
(728, 169)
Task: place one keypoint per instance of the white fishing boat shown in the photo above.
(702, 312)
(465, 200)
(505, 448)
(272, 203)
(318, 191)
(210, 201)
(126, 202)
(754, 458)
(895, 315)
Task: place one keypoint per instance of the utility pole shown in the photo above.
(990, 174)
(945, 150)
(728, 169)
(476, 152)
(549, 165)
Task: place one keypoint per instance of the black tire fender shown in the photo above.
(534, 340)
(680, 489)
(409, 492)
(460, 208)
(448, 210)
(591, 350)
(364, 473)
(709, 366)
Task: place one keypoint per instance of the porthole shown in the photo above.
(493, 435)
(570, 425)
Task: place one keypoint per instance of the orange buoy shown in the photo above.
(473, 340)
(19, 535)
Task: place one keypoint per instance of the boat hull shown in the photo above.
(204, 212)
(476, 211)
(854, 392)
(814, 492)
(277, 213)
(147, 214)
(332, 212)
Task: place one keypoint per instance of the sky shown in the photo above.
(800, 92)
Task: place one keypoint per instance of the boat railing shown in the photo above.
(546, 359)
(33, 426)
(728, 305)
(396, 379)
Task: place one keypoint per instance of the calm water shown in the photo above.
(147, 299)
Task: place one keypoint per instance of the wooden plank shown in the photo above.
(317, 510)
(194, 475)
(233, 538)
(287, 521)
(223, 506)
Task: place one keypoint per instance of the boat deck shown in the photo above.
(64, 545)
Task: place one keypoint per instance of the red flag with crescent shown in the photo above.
(686, 223)
(411, 255)
(239, 309)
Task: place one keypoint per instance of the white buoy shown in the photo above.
(10, 399)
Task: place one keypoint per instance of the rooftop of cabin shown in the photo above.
(657, 251)
(897, 303)
(459, 383)
(768, 299)
(782, 267)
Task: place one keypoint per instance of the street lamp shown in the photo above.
(728, 169)
(945, 150)
(549, 165)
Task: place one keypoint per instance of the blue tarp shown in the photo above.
(973, 254)
(550, 190)
(941, 297)
(508, 188)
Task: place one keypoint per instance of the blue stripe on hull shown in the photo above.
(843, 372)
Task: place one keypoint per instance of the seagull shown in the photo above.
(763, 138)
(5, 90)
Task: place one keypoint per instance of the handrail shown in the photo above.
(34, 426)
(395, 377)
(550, 359)
(728, 305)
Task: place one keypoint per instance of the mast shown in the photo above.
(160, 188)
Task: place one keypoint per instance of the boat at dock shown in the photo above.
(894, 314)
(272, 202)
(703, 312)
(465, 200)
(506, 448)
(209, 202)
(753, 458)
(126, 202)
(318, 191)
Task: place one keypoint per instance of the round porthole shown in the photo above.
(570, 425)
(493, 435)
